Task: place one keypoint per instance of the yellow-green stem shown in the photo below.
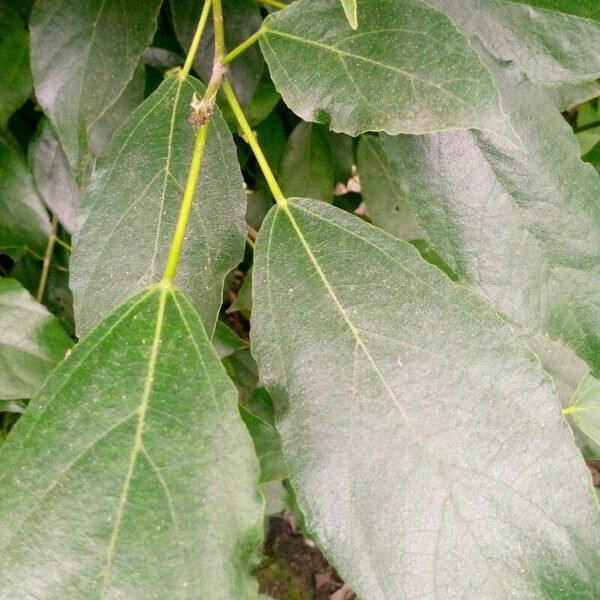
(273, 3)
(189, 61)
(47, 259)
(186, 205)
(219, 31)
(242, 47)
(252, 141)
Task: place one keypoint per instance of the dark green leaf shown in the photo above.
(307, 166)
(132, 471)
(342, 155)
(272, 139)
(32, 342)
(593, 157)
(53, 176)
(406, 68)
(520, 226)
(24, 222)
(15, 75)
(557, 42)
(130, 213)
(241, 19)
(243, 301)
(83, 55)
(226, 341)
(382, 191)
(396, 388)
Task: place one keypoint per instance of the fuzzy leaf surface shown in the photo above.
(520, 226)
(393, 386)
(405, 69)
(135, 196)
(133, 473)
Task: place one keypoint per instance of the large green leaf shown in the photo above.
(53, 176)
(382, 191)
(24, 222)
(424, 441)
(130, 213)
(307, 165)
(241, 19)
(15, 75)
(83, 54)
(32, 342)
(405, 69)
(133, 473)
(520, 226)
(553, 41)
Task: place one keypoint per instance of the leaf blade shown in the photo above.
(122, 449)
(361, 372)
(313, 54)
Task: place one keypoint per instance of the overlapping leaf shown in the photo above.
(24, 222)
(396, 388)
(83, 54)
(520, 226)
(351, 10)
(53, 176)
(32, 342)
(132, 471)
(553, 41)
(405, 69)
(130, 214)
(585, 408)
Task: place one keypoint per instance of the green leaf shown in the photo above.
(585, 407)
(15, 75)
(32, 342)
(382, 191)
(104, 128)
(135, 197)
(243, 301)
(593, 157)
(53, 176)
(421, 436)
(24, 222)
(83, 55)
(406, 69)
(241, 19)
(351, 11)
(519, 226)
(553, 41)
(132, 471)
(226, 341)
(307, 165)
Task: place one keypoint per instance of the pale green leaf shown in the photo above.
(568, 95)
(24, 222)
(15, 75)
(519, 226)
(32, 342)
(405, 69)
(585, 407)
(424, 441)
(351, 10)
(53, 176)
(133, 473)
(307, 165)
(553, 41)
(593, 157)
(382, 191)
(130, 213)
(83, 55)
(241, 19)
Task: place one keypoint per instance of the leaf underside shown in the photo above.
(132, 471)
(397, 388)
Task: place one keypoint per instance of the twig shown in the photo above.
(47, 259)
